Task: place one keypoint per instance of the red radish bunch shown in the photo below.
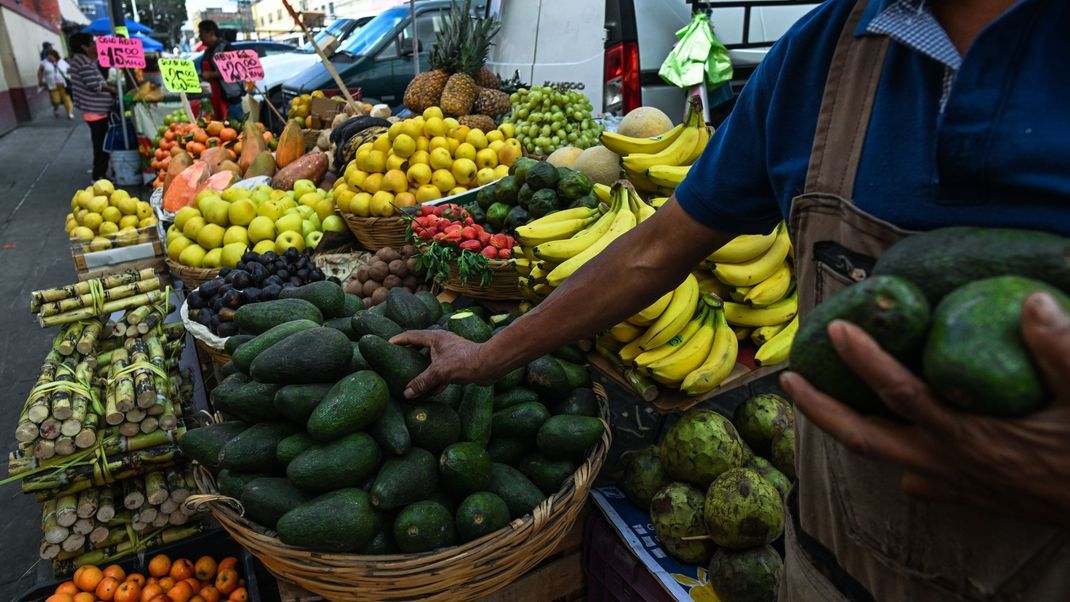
(450, 224)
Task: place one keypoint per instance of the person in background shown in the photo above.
(92, 94)
(52, 74)
(226, 96)
(45, 47)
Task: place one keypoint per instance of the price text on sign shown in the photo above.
(239, 65)
(180, 75)
(121, 53)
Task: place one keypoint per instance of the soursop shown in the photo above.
(643, 476)
(748, 576)
(743, 510)
(700, 446)
(676, 512)
(759, 417)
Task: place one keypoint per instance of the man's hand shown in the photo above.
(1018, 465)
(453, 360)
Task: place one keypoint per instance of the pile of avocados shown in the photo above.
(532, 190)
(947, 303)
(320, 445)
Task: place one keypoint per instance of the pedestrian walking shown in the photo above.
(226, 96)
(45, 47)
(93, 96)
(52, 74)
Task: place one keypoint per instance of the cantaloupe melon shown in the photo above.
(600, 164)
(564, 156)
(644, 122)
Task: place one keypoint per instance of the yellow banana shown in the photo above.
(708, 285)
(744, 248)
(739, 293)
(718, 364)
(560, 216)
(542, 289)
(564, 249)
(674, 368)
(778, 348)
(680, 310)
(640, 181)
(676, 153)
(602, 192)
(669, 176)
(563, 230)
(754, 271)
(627, 145)
(691, 328)
(763, 333)
(629, 352)
(772, 289)
(538, 272)
(647, 316)
(703, 140)
(625, 332)
(523, 266)
(658, 201)
(741, 333)
(642, 210)
(739, 314)
(624, 221)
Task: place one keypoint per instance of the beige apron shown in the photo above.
(851, 533)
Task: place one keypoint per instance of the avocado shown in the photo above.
(892, 310)
(975, 356)
(520, 168)
(352, 404)
(548, 475)
(352, 305)
(511, 379)
(233, 342)
(245, 355)
(396, 364)
(505, 190)
(941, 260)
(431, 303)
(569, 437)
(588, 200)
(327, 296)
(449, 395)
(571, 353)
(580, 402)
(345, 462)
(542, 175)
(480, 514)
(339, 521)
(484, 198)
(250, 401)
(383, 542)
(296, 402)
(518, 216)
(470, 326)
(575, 185)
(357, 361)
(546, 377)
(406, 310)
(293, 446)
(266, 500)
(369, 322)
(519, 493)
(543, 202)
(257, 318)
(404, 480)
(424, 526)
(521, 421)
(523, 197)
(433, 426)
(253, 450)
(343, 325)
(231, 483)
(464, 468)
(477, 413)
(575, 375)
(203, 444)
(496, 215)
(315, 355)
(514, 396)
(508, 450)
(389, 430)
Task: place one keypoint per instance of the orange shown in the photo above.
(193, 584)
(116, 572)
(159, 566)
(239, 595)
(150, 591)
(196, 598)
(84, 597)
(88, 577)
(128, 592)
(210, 594)
(181, 592)
(214, 128)
(229, 562)
(137, 578)
(228, 134)
(181, 569)
(67, 587)
(160, 598)
(60, 598)
(204, 569)
(200, 135)
(166, 583)
(106, 588)
(226, 581)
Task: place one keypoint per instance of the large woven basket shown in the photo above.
(502, 286)
(191, 277)
(219, 357)
(374, 233)
(465, 572)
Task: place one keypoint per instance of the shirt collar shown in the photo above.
(912, 24)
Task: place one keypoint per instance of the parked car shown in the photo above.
(377, 60)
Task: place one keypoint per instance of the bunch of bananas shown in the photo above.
(657, 165)
(552, 248)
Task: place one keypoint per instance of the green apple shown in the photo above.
(241, 212)
(183, 215)
(233, 194)
(333, 223)
(286, 202)
(288, 223)
(218, 212)
(272, 210)
(322, 192)
(236, 234)
(315, 219)
(205, 200)
(264, 188)
(264, 246)
(313, 238)
(212, 258)
(324, 207)
(306, 227)
(260, 197)
(261, 228)
(310, 199)
(305, 211)
(289, 239)
(302, 187)
(292, 211)
(231, 254)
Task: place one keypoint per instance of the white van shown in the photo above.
(612, 49)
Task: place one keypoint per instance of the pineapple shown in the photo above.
(478, 122)
(426, 88)
(460, 92)
(491, 102)
(459, 95)
(486, 78)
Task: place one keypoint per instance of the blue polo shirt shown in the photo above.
(980, 139)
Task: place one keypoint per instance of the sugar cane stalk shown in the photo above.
(105, 504)
(71, 334)
(73, 543)
(40, 297)
(133, 494)
(156, 491)
(111, 294)
(43, 449)
(66, 510)
(87, 503)
(49, 550)
(149, 425)
(108, 307)
(83, 526)
(88, 341)
(122, 385)
(176, 483)
(87, 436)
(53, 532)
(65, 446)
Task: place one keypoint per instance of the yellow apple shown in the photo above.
(241, 212)
(324, 207)
(333, 223)
(288, 223)
(236, 234)
(464, 171)
(183, 216)
(176, 245)
(264, 246)
(103, 187)
(261, 228)
(217, 212)
(303, 187)
(486, 158)
(272, 210)
(212, 259)
(193, 226)
(231, 254)
(193, 256)
(211, 236)
(234, 194)
(485, 176)
(289, 239)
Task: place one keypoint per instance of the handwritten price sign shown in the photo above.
(239, 65)
(121, 53)
(180, 75)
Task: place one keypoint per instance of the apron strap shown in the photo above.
(846, 106)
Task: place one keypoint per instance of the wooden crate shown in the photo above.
(148, 252)
(559, 578)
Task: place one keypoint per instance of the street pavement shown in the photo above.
(41, 165)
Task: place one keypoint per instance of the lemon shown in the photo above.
(434, 127)
(441, 159)
(128, 221)
(443, 180)
(376, 162)
(93, 220)
(193, 256)
(395, 180)
(420, 173)
(112, 214)
(382, 204)
(404, 145)
(82, 233)
(420, 156)
(360, 204)
(485, 176)
(428, 193)
(148, 222)
(373, 183)
(476, 138)
(109, 228)
(507, 129)
(460, 133)
(393, 132)
(432, 113)
(356, 178)
(495, 136)
(438, 142)
(382, 143)
(405, 199)
(396, 162)
(486, 158)
(99, 244)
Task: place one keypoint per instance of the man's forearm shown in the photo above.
(629, 275)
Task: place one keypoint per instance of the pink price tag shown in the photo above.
(239, 65)
(120, 53)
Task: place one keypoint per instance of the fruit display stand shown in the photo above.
(375, 233)
(189, 276)
(500, 287)
(477, 568)
(147, 252)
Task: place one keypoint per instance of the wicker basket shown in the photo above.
(374, 233)
(465, 572)
(191, 277)
(219, 357)
(503, 284)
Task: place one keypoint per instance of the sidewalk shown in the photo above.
(41, 165)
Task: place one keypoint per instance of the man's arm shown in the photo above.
(626, 277)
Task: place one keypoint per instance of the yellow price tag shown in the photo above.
(179, 75)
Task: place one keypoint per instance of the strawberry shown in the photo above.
(484, 237)
(471, 245)
(499, 241)
(489, 252)
(505, 253)
(440, 235)
(469, 233)
(455, 227)
(439, 210)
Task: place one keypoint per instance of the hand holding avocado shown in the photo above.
(1018, 465)
(453, 360)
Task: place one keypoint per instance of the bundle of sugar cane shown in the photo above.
(38, 299)
(77, 478)
(66, 563)
(148, 298)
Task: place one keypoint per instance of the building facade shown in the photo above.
(24, 26)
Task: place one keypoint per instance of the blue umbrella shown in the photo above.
(149, 44)
(102, 26)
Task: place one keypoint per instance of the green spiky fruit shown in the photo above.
(743, 510)
(700, 446)
(783, 452)
(769, 472)
(757, 418)
(643, 476)
(676, 512)
(748, 576)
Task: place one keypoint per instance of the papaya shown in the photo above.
(184, 188)
(178, 164)
(232, 167)
(252, 145)
(310, 166)
(291, 145)
(214, 157)
(262, 165)
(221, 181)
